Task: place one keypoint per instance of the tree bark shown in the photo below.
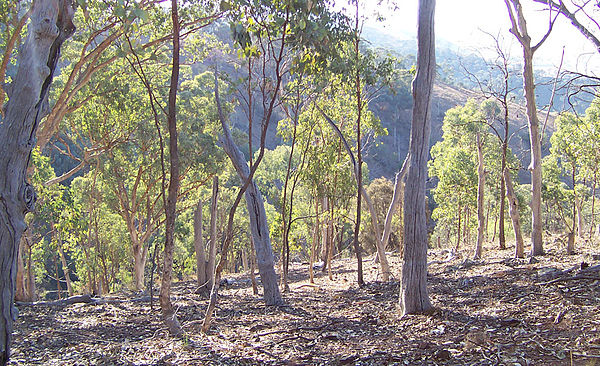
(212, 248)
(519, 30)
(480, 198)
(51, 24)
(258, 222)
(413, 291)
(140, 255)
(258, 219)
(513, 210)
(199, 247)
(166, 306)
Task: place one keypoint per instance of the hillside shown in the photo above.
(386, 158)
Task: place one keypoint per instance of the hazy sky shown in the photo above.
(463, 23)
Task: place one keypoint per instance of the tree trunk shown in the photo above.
(31, 290)
(324, 236)
(314, 245)
(166, 306)
(63, 262)
(212, 248)
(413, 291)
(258, 221)
(253, 267)
(580, 227)
(396, 204)
(140, 255)
(20, 291)
(480, 198)
(458, 229)
(330, 244)
(571, 243)
(513, 210)
(199, 247)
(501, 230)
(593, 223)
(519, 29)
(51, 24)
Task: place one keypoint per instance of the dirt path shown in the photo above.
(496, 311)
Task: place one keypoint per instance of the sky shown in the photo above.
(464, 23)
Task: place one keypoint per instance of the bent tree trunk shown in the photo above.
(258, 222)
(513, 211)
(413, 289)
(396, 198)
(258, 217)
(51, 24)
(379, 242)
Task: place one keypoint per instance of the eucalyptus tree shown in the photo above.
(13, 18)
(414, 297)
(51, 24)
(520, 31)
(102, 39)
(496, 86)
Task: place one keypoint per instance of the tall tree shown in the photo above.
(51, 24)
(166, 306)
(521, 33)
(413, 289)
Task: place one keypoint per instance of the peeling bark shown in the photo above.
(414, 297)
(51, 24)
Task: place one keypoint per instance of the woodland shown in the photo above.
(193, 182)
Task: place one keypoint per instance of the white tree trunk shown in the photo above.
(519, 30)
(413, 290)
(258, 222)
(51, 24)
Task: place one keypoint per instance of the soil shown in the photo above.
(497, 310)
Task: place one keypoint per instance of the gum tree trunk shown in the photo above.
(519, 30)
(168, 312)
(413, 290)
(51, 24)
(258, 223)
(140, 255)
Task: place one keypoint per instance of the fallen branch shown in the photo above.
(574, 278)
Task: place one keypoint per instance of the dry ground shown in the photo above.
(494, 311)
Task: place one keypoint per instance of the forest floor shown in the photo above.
(497, 310)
